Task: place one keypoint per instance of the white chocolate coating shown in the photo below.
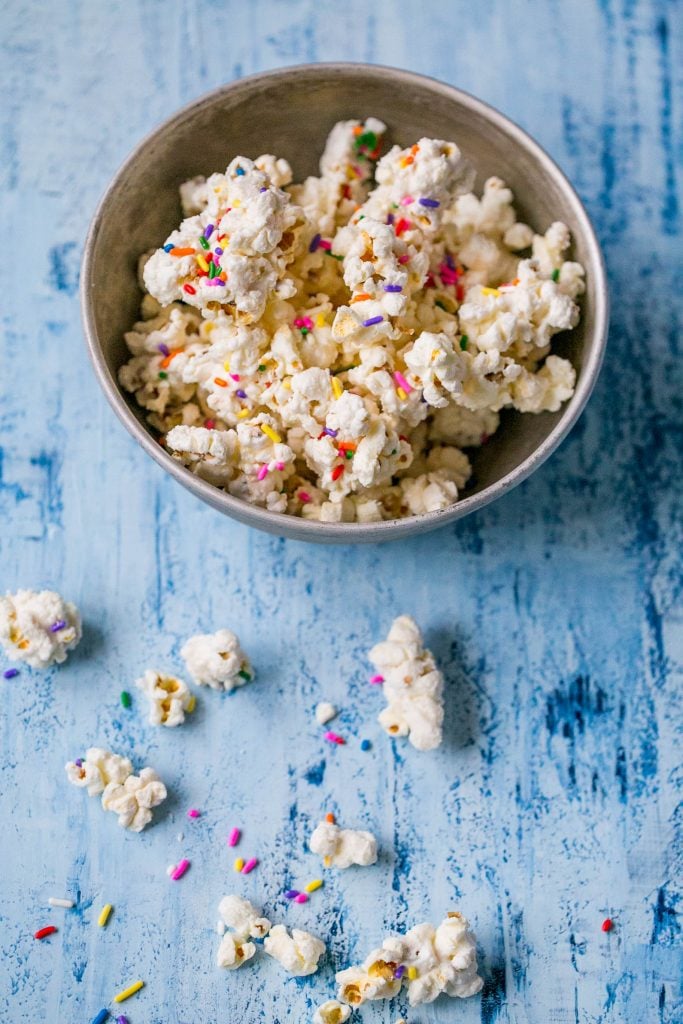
(298, 952)
(38, 628)
(342, 847)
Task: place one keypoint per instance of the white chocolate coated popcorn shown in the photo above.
(243, 918)
(234, 951)
(39, 628)
(169, 698)
(298, 953)
(342, 847)
(331, 1012)
(413, 685)
(97, 769)
(430, 961)
(325, 712)
(217, 660)
(327, 349)
(131, 797)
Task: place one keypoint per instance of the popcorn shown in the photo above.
(134, 799)
(234, 951)
(131, 797)
(413, 685)
(342, 847)
(325, 712)
(298, 953)
(169, 698)
(333, 338)
(217, 660)
(39, 628)
(243, 918)
(331, 1012)
(431, 961)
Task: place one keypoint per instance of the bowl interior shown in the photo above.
(289, 113)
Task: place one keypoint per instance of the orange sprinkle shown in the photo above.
(221, 383)
(347, 446)
(167, 360)
(330, 818)
(361, 298)
(407, 160)
(175, 251)
(415, 149)
(357, 130)
(223, 275)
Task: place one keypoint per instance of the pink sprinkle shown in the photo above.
(324, 244)
(193, 813)
(407, 200)
(334, 737)
(376, 679)
(304, 321)
(235, 376)
(304, 497)
(249, 866)
(209, 424)
(404, 258)
(280, 466)
(180, 869)
(301, 898)
(402, 382)
(447, 274)
(263, 472)
(234, 837)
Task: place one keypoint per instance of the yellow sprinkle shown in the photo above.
(287, 384)
(239, 864)
(104, 914)
(202, 263)
(22, 645)
(191, 704)
(243, 413)
(327, 861)
(226, 366)
(317, 883)
(269, 432)
(401, 394)
(128, 992)
(435, 353)
(490, 291)
(237, 202)
(337, 388)
(208, 326)
(412, 973)
(320, 320)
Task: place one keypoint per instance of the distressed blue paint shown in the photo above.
(555, 799)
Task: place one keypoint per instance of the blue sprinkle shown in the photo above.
(390, 218)
(264, 189)
(365, 745)
(314, 243)
(429, 202)
(169, 246)
(101, 1016)
(373, 320)
(218, 251)
(392, 288)
(56, 626)
(239, 171)
(10, 673)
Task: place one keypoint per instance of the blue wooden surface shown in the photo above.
(553, 801)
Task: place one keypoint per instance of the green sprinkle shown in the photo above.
(244, 675)
(368, 139)
(262, 367)
(204, 242)
(463, 342)
(440, 305)
(304, 330)
(334, 255)
(349, 455)
(126, 699)
(213, 271)
(394, 451)
(555, 275)
(362, 217)
(163, 375)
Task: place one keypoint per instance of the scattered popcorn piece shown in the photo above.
(97, 769)
(233, 951)
(325, 712)
(39, 628)
(342, 847)
(413, 685)
(217, 660)
(298, 953)
(134, 799)
(331, 1012)
(429, 960)
(169, 698)
(243, 918)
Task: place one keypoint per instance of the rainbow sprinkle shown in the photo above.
(10, 673)
(105, 913)
(239, 864)
(393, 288)
(194, 813)
(365, 745)
(126, 699)
(128, 992)
(180, 870)
(250, 865)
(375, 680)
(372, 321)
(271, 434)
(431, 203)
(333, 737)
(402, 382)
(315, 243)
(234, 837)
(291, 894)
(100, 1017)
(43, 933)
(262, 473)
(301, 898)
(317, 883)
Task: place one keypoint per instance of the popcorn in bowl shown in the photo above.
(332, 349)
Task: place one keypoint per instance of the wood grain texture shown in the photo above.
(555, 613)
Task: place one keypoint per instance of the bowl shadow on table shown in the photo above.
(448, 645)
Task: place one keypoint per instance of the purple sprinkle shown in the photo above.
(240, 393)
(390, 218)
(330, 432)
(315, 242)
(10, 673)
(400, 971)
(169, 246)
(393, 288)
(218, 251)
(373, 320)
(216, 282)
(78, 762)
(429, 202)
(292, 894)
(450, 262)
(208, 231)
(121, 1020)
(264, 189)
(56, 626)
(164, 349)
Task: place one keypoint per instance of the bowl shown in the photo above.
(289, 112)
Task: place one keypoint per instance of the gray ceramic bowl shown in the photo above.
(289, 112)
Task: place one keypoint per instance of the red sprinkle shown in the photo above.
(334, 737)
(189, 289)
(337, 472)
(402, 225)
(43, 933)
(608, 924)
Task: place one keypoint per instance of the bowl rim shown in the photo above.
(297, 527)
